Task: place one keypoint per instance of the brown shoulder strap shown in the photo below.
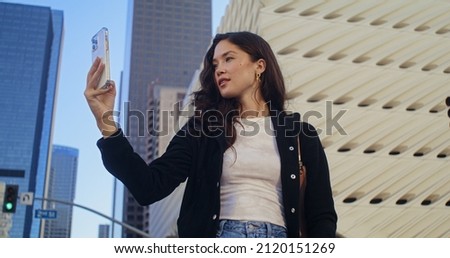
(301, 167)
(302, 171)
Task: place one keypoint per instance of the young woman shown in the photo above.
(238, 153)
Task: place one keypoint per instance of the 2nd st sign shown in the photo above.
(45, 214)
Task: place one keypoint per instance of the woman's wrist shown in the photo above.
(108, 132)
(107, 126)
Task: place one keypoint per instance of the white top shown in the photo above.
(251, 180)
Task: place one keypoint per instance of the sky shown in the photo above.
(74, 123)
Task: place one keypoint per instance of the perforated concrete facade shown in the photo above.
(381, 70)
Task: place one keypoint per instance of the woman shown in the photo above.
(242, 180)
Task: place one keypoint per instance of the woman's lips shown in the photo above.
(222, 82)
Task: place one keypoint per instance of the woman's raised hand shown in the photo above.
(101, 100)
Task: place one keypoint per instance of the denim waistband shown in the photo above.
(249, 229)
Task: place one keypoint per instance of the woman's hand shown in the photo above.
(101, 100)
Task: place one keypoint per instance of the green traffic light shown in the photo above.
(10, 198)
(8, 206)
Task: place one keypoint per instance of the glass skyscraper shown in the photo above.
(61, 186)
(30, 47)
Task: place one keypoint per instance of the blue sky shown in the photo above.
(74, 124)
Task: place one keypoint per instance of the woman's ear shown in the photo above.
(260, 66)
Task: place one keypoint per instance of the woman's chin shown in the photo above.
(227, 95)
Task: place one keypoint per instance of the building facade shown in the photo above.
(103, 230)
(30, 49)
(165, 102)
(61, 186)
(166, 44)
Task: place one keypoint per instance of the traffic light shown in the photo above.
(10, 199)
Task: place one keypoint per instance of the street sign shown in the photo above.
(45, 214)
(26, 198)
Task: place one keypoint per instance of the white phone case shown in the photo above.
(100, 48)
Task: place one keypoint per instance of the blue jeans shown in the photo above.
(249, 229)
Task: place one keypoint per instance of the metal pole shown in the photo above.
(140, 232)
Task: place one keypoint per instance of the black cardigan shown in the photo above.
(197, 155)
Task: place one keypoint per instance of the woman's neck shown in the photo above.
(253, 105)
(253, 109)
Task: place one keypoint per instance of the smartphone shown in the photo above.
(100, 49)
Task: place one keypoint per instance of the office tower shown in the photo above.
(164, 124)
(103, 231)
(30, 48)
(166, 43)
(61, 187)
(372, 76)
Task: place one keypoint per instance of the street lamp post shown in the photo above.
(138, 231)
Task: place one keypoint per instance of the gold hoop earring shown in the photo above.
(258, 77)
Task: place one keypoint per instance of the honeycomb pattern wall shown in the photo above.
(373, 77)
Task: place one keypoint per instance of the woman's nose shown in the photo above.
(219, 71)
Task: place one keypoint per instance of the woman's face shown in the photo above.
(234, 71)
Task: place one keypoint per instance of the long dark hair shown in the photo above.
(208, 101)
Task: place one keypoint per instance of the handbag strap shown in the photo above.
(302, 171)
(301, 166)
